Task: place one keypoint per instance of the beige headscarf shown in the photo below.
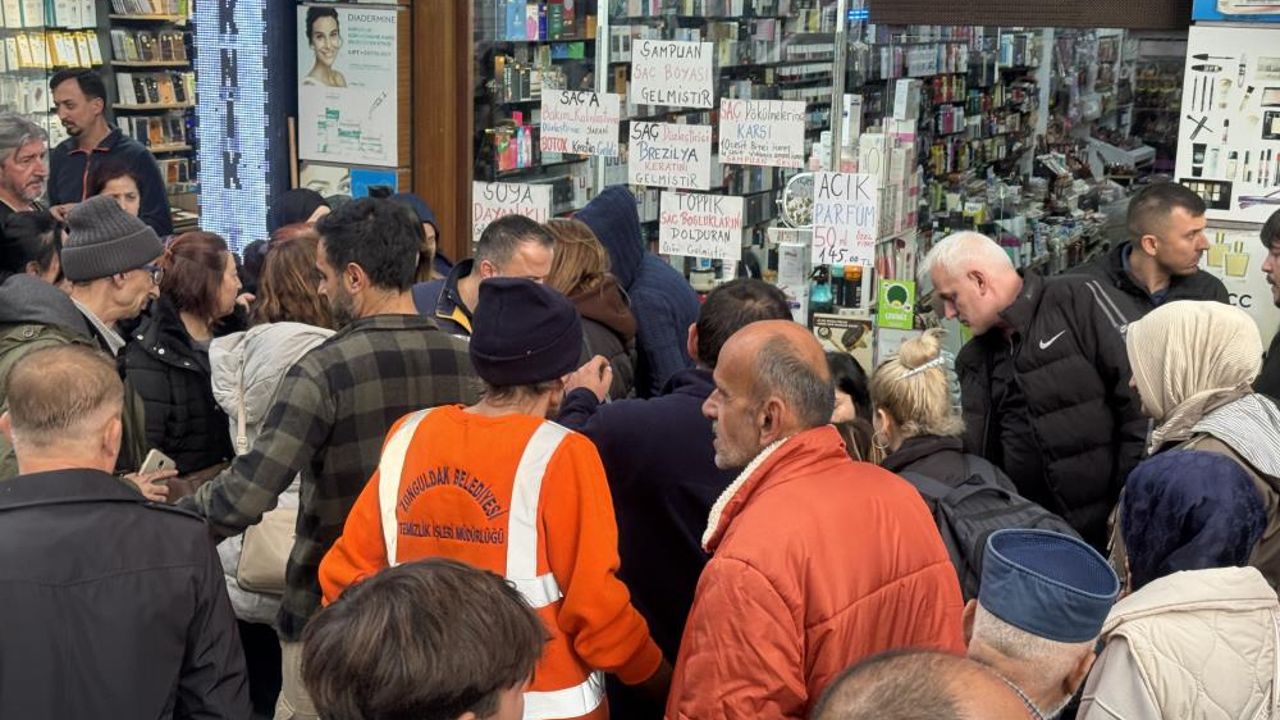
(1189, 358)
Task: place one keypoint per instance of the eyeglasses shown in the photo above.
(157, 272)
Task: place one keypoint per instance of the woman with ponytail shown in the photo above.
(167, 360)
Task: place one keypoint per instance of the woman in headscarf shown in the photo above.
(1198, 631)
(1194, 364)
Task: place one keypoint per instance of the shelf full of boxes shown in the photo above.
(40, 40)
(155, 92)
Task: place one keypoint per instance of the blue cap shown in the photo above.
(1048, 584)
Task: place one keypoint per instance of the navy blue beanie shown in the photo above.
(524, 333)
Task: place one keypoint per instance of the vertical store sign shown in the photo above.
(231, 85)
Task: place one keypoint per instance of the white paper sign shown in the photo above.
(669, 155)
(672, 73)
(707, 226)
(762, 132)
(585, 123)
(490, 201)
(845, 219)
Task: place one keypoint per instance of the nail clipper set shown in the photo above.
(1230, 124)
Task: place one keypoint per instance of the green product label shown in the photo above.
(896, 304)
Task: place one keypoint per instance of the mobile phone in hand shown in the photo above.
(155, 462)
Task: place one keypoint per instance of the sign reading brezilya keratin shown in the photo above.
(490, 201)
(670, 155)
(762, 132)
(845, 222)
(672, 73)
(585, 123)
(708, 226)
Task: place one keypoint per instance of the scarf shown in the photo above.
(1190, 358)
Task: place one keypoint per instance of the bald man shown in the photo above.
(918, 684)
(1045, 381)
(817, 561)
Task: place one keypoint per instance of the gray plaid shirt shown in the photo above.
(328, 421)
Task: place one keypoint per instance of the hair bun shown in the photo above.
(924, 349)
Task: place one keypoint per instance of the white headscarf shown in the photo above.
(1188, 358)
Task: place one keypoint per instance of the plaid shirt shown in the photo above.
(330, 416)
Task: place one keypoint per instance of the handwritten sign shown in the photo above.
(670, 155)
(490, 201)
(585, 123)
(845, 219)
(672, 73)
(707, 226)
(762, 132)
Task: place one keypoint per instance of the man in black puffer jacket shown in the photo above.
(1045, 381)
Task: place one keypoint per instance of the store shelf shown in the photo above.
(158, 106)
(161, 149)
(175, 19)
(152, 64)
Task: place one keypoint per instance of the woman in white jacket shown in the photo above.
(290, 319)
(1198, 636)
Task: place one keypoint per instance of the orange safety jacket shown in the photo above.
(527, 499)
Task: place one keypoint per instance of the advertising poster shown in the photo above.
(896, 304)
(1235, 257)
(847, 334)
(1229, 129)
(347, 75)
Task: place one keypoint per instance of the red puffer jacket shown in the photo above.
(818, 562)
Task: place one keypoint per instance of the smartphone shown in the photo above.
(157, 461)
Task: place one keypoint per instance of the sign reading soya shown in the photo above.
(845, 219)
(490, 201)
(672, 73)
(585, 123)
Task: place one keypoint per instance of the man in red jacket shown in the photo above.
(817, 561)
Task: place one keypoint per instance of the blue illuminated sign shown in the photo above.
(231, 81)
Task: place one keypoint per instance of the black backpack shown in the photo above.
(967, 515)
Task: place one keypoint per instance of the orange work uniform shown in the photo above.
(527, 499)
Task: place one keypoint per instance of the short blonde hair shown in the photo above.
(919, 402)
(580, 262)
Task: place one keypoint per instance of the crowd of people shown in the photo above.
(343, 476)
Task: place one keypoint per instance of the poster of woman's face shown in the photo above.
(347, 71)
(324, 36)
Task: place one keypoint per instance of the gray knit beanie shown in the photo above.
(103, 240)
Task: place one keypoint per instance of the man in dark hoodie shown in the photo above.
(1161, 261)
(660, 461)
(431, 263)
(661, 299)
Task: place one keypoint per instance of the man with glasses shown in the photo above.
(109, 258)
(24, 166)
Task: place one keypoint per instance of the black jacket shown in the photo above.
(660, 461)
(69, 169)
(172, 376)
(113, 607)
(1071, 365)
(1134, 301)
(1268, 382)
(939, 458)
